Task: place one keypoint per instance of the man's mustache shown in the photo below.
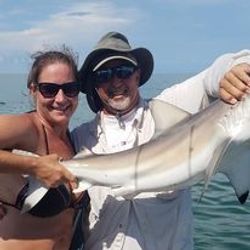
(118, 91)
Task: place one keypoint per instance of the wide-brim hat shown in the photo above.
(113, 46)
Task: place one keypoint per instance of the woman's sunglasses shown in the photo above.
(105, 75)
(50, 90)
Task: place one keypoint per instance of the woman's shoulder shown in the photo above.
(17, 120)
(17, 130)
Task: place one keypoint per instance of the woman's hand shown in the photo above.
(48, 170)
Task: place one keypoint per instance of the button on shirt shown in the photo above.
(150, 220)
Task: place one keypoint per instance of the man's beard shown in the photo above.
(122, 103)
(119, 105)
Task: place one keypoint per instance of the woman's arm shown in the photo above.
(19, 132)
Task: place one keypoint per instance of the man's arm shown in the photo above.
(191, 94)
(235, 83)
(228, 77)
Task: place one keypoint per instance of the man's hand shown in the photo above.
(235, 84)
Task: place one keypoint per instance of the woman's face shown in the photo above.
(57, 110)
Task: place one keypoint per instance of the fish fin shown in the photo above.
(36, 189)
(128, 192)
(82, 186)
(36, 192)
(213, 166)
(174, 115)
(242, 199)
(129, 196)
(23, 153)
(83, 154)
(236, 168)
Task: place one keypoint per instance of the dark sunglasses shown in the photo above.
(122, 72)
(50, 90)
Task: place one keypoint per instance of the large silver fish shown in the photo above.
(215, 139)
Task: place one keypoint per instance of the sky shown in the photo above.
(184, 36)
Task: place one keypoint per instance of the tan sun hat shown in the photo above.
(112, 46)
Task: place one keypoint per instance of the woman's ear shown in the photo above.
(33, 88)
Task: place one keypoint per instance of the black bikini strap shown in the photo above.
(7, 203)
(71, 142)
(20, 198)
(46, 139)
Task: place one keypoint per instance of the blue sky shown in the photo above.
(183, 35)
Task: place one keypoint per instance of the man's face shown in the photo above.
(119, 91)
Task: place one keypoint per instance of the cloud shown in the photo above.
(195, 2)
(79, 13)
(76, 26)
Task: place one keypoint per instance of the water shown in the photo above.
(220, 222)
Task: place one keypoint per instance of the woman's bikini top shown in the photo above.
(55, 200)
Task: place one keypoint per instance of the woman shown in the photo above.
(53, 84)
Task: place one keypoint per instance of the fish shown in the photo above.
(216, 139)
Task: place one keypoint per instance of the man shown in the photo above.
(111, 76)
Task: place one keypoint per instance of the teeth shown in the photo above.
(61, 108)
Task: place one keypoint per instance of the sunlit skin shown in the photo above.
(119, 95)
(235, 84)
(24, 232)
(55, 111)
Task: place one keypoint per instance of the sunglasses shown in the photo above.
(50, 90)
(105, 75)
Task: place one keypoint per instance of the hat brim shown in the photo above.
(143, 57)
(110, 58)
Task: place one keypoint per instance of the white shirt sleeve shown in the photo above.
(186, 95)
(222, 65)
(189, 94)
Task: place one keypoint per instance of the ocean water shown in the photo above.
(220, 221)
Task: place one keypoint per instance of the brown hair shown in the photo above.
(44, 58)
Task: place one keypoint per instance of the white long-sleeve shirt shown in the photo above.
(189, 95)
(149, 221)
